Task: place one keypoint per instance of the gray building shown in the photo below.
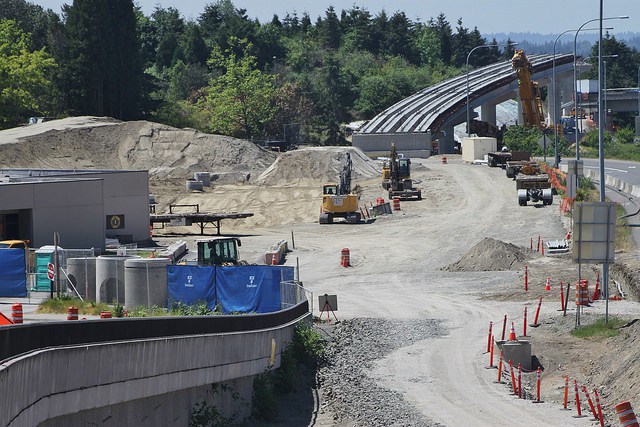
(84, 207)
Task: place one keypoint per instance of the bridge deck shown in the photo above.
(432, 107)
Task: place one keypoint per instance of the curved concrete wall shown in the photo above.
(64, 381)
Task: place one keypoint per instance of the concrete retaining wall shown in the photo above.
(62, 381)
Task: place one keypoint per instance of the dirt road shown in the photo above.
(397, 273)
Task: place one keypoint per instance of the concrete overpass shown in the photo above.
(433, 112)
(130, 372)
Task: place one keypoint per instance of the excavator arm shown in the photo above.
(529, 91)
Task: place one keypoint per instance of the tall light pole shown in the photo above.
(468, 111)
(468, 56)
(554, 98)
(575, 81)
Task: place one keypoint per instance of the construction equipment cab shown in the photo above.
(337, 199)
(396, 177)
(218, 251)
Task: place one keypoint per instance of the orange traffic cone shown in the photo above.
(512, 333)
(547, 286)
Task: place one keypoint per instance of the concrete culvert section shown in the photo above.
(110, 279)
(145, 282)
(82, 273)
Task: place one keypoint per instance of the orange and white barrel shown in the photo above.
(396, 204)
(345, 257)
(626, 416)
(105, 315)
(16, 313)
(72, 313)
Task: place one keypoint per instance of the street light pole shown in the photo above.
(575, 81)
(468, 56)
(554, 98)
(468, 111)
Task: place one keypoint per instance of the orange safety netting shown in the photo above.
(558, 181)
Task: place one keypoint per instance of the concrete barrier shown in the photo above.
(154, 379)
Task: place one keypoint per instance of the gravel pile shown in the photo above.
(491, 255)
(348, 392)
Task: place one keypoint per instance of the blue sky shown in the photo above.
(490, 16)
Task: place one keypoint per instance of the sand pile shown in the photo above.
(490, 255)
(308, 166)
(103, 143)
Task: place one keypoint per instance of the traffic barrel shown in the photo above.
(105, 315)
(16, 313)
(345, 257)
(72, 313)
(626, 416)
(396, 204)
(444, 160)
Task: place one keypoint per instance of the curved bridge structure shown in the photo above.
(433, 112)
(130, 372)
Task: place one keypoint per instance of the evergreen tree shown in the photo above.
(329, 29)
(102, 67)
(445, 34)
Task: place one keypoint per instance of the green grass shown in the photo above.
(60, 306)
(600, 329)
(624, 238)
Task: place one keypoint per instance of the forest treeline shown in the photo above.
(224, 72)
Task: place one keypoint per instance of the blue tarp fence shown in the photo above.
(247, 289)
(13, 273)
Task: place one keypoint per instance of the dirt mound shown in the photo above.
(490, 255)
(103, 143)
(317, 164)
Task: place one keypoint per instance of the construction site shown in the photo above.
(451, 263)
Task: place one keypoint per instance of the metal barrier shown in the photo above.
(293, 293)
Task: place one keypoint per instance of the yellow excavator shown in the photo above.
(337, 199)
(396, 177)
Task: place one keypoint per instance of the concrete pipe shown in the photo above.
(110, 280)
(203, 177)
(193, 185)
(146, 282)
(82, 273)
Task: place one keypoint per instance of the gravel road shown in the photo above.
(410, 350)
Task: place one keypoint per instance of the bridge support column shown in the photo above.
(446, 141)
(565, 90)
(488, 113)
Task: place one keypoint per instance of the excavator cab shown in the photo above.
(404, 168)
(330, 189)
(218, 251)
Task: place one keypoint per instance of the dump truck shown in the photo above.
(533, 186)
(512, 168)
(500, 158)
